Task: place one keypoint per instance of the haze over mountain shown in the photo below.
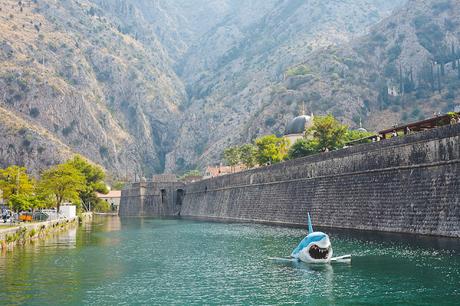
(143, 87)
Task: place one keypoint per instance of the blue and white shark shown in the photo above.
(315, 248)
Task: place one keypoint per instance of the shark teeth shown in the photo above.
(318, 253)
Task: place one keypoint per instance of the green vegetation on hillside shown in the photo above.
(298, 70)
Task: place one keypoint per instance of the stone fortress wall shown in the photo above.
(158, 198)
(409, 184)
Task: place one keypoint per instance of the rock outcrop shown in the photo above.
(143, 87)
(68, 69)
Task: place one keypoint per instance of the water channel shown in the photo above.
(184, 262)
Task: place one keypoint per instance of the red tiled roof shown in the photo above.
(221, 170)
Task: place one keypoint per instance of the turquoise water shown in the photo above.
(163, 262)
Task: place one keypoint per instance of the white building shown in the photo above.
(393, 91)
(113, 198)
(68, 211)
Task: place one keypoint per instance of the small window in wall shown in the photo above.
(180, 196)
(163, 195)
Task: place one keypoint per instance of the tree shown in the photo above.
(271, 149)
(118, 185)
(232, 156)
(303, 147)
(93, 179)
(21, 202)
(14, 180)
(248, 155)
(383, 96)
(102, 206)
(328, 132)
(62, 183)
(190, 173)
(352, 135)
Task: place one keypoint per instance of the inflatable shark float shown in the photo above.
(315, 248)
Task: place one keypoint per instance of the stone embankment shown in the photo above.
(25, 232)
(408, 185)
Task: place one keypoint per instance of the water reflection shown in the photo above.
(112, 223)
(169, 261)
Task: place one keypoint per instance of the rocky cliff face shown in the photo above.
(405, 69)
(246, 59)
(68, 69)
(146, 86)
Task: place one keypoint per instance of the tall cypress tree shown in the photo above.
(439, 79)
(454, 57)
(432, 77)
(412, 77)
(401, 81)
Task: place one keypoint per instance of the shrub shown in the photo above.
(69, 129)
(298, 70)
(270, 122)
(104, 151)
(102, 206)
(34, 112)
(26, 143)
(416, 112)
(301, 148)
(199, 147)
(394, 53)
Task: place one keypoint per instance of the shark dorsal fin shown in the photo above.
(310, 226)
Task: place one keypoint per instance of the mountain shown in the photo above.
(406, 68)
(75, 74)
(232, 72)
(146, 86)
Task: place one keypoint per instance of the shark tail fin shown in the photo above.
(310, 226)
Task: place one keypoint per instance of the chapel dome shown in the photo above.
(298, 125)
